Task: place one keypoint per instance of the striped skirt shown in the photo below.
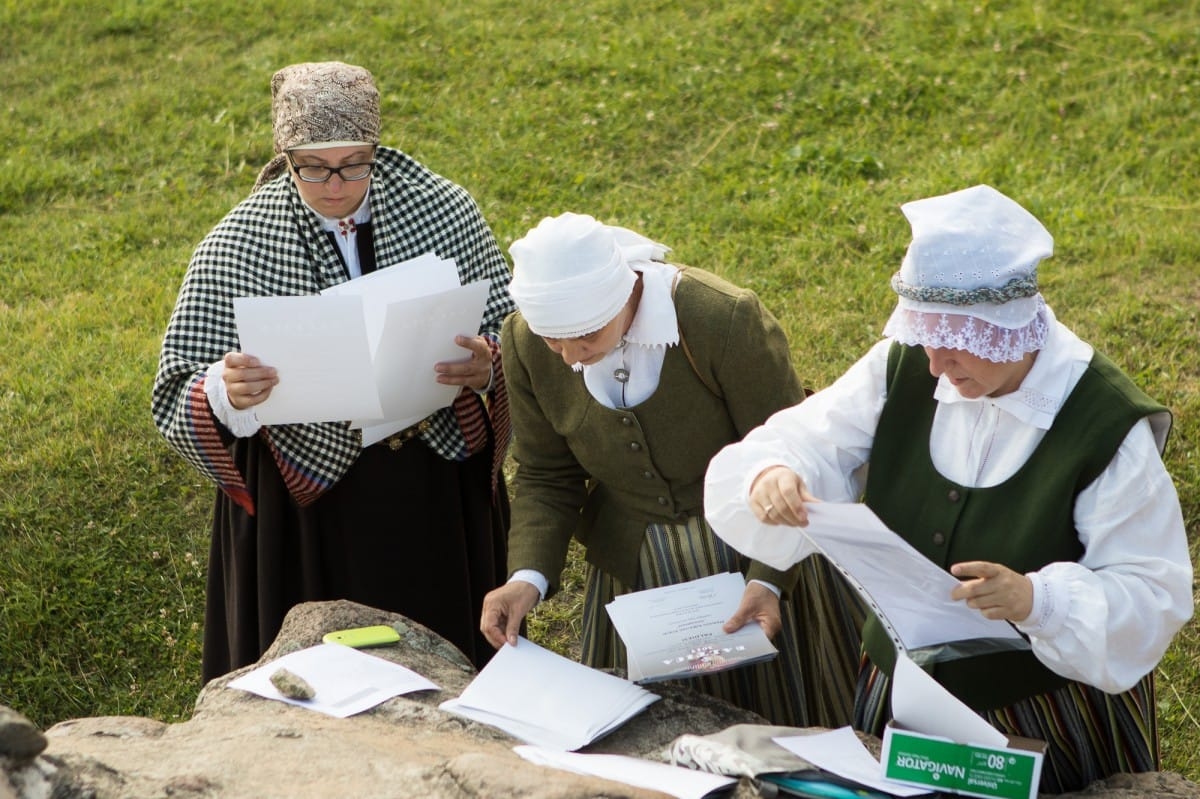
(1090, 735)
(810, 682)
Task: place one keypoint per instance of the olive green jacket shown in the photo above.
(602, 474)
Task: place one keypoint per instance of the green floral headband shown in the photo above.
(1014, 289)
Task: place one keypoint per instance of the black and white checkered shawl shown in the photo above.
(271, 245)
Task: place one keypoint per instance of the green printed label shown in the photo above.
(946, 766)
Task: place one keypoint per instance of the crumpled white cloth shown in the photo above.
(743, 750)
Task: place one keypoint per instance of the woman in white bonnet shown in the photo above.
(1009, 452)
(415, 524)
(625, 375)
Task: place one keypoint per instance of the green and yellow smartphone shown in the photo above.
(363, 637)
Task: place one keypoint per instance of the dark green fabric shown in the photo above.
(604, 474)
(1025, 522)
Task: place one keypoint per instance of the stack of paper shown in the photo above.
(547, 700)
(676, 631)
(364, 350)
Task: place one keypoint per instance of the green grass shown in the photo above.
(770, 141)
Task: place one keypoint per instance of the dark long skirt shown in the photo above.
(404, 531)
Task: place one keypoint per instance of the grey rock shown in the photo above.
(20, 739)
(237, 744)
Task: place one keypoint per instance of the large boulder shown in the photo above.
(239, 745)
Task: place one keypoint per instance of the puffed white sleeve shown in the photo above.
(826, 439)
(242, 423)
(1108, 619)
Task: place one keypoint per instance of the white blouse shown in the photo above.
(655, 327)
(1106, 620)
(345, 232)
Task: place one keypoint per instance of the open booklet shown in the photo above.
(547, 700)
(364, 350)
(675, 631)
(909, 593)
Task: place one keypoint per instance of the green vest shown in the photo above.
(1024, 522)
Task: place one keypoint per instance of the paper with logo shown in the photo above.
(935, 740)
(675, 631)
(547, 700)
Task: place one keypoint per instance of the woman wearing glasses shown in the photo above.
(415, 524)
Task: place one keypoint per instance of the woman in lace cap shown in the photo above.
(415, 524)
(1009, 452)
(626, 375)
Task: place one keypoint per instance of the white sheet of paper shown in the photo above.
(346, 680)
(320, 349)
(842, 753)
(544, 699)
(418, 333)
(676, 630)
(363, 351)
(922, 705)
(912, 591)
(673, 780)
(417, 277)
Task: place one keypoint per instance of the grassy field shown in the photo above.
(770, 141)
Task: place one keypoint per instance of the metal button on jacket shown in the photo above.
(939, 539)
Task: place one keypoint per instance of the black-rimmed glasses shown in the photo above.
(317, 173)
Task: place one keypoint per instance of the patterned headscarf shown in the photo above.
(326, 103)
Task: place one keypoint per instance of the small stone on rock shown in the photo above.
(292, 685)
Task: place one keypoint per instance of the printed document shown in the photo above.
(675, 631)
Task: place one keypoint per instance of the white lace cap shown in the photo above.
(963, 332)
(571, 274)
(969, 278)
